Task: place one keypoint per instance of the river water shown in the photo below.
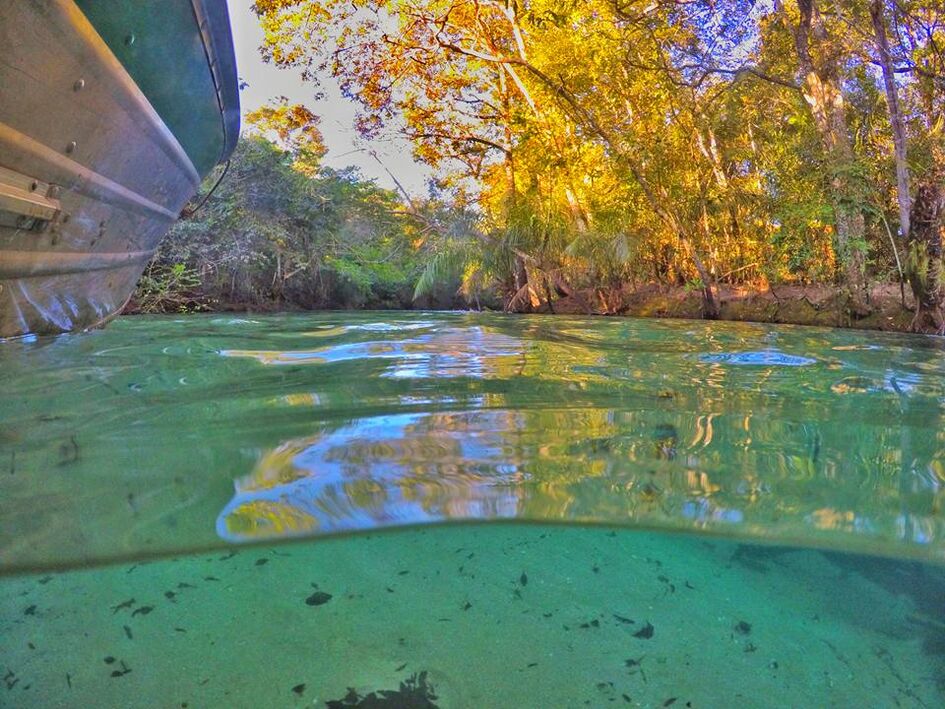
(719, 514)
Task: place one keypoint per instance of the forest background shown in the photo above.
(775, 160)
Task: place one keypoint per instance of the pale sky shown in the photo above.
(345, 147)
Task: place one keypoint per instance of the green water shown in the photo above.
(754, 514)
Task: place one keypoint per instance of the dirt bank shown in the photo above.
(822, 305)
(798, 305)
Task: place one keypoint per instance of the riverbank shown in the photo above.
(820, 305)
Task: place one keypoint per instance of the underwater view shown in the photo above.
(483, 510)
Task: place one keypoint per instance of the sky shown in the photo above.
(345, 147)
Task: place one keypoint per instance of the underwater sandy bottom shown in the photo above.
(483, 616)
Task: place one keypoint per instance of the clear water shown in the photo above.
(754, 514)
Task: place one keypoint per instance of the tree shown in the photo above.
(294, 128)
(596, 144)
(279, 230)
(819, 58)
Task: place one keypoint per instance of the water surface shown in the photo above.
(161, 435)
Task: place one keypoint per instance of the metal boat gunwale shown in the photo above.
(136, 104)
(212, 41)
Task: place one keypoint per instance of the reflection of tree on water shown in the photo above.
(520, 421)
(560, 464)
(398, 469)
(922, 468)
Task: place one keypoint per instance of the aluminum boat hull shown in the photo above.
(91, 176)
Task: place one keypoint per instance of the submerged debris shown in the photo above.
(665, 438)
(318, 598)
(414, 693)
(670, 586)
(69, 452)
(124, 604)
(123, 671)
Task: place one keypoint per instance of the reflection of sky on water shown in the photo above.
(396, 469)
(702, 510)
(471, 352)
(327, 355)
(392, 326)
(763, 357)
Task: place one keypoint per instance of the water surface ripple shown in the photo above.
(161, 434)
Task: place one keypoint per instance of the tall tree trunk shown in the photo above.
(579, 215)
(821, 91)
(710, 306)
(924, 249)
(895, 115)
(512, 188)
(521, 300)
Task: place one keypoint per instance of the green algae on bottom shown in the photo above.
(494, 615)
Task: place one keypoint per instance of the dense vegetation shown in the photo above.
(603, 144)
(280, 231)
